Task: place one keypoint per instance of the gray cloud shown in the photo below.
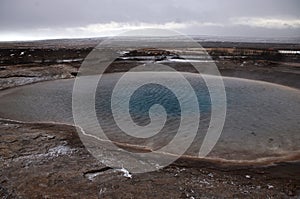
(66, 18)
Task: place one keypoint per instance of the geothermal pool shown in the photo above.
(262, 119)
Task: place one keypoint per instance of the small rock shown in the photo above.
(50, 137)
(102, 191)
(290, 193)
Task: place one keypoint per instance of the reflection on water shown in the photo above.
(262, 118)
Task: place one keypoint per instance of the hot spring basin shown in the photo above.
(262, 119)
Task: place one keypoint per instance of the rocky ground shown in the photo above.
(23, 63)
(22, 74)
(49, 160)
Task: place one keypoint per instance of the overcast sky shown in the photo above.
(47, 19)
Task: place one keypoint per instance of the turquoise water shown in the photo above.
(262, 119)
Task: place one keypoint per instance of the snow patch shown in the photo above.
(270, 186)
(91, 176)
(52, 153)
(125, 172)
